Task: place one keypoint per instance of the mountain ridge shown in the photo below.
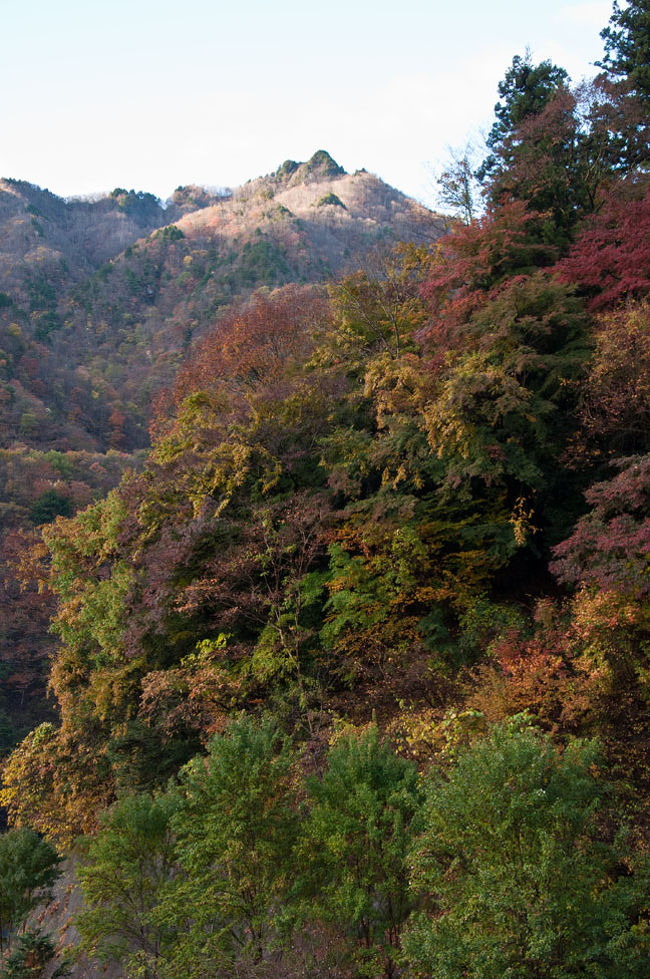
(101, 300)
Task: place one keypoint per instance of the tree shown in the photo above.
(58, 780)
(627, 46)
(252, 346)
(503, 409)
(609, 260)
(29, 866)
(519, 877)
(33, 953)
(361, 818)
(525, 90)
(615, 409)
(235, 827)
(559, 158)
(49, 505)
(458, 185)
(627, 66)
(378, 309)
(122, 880)
(609, 549)
(538, 667)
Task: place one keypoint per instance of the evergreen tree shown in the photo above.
(525, 91)
(627, 63)
(627, 46)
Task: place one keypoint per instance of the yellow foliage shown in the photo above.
(52, 782)
(427, 734)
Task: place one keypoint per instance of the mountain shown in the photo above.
(318, 216)
(100, 300)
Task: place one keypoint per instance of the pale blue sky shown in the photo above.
(150, 94)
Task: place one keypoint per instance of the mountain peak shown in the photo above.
(320, 166)
(324, 165)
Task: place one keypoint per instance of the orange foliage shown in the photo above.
(55, 783)
(250, 346)
(544, 673)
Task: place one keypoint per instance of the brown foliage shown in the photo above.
(615, 411)
(251, 345)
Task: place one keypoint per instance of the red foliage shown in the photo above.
(611, 256)
(610, 546)
(542, 673)
(475, 263)
(551, 166)
(116, 421)
(24, 613)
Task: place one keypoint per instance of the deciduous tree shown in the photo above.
(519, 878)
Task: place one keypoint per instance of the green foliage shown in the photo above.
(372, 611)
(323, 164)
(525, 90)
(127, 866)
(481, 623)
(263, 261)
(139, 204)
(169, 233)
(49, 505)
(362, 814)
(332, 199)
(520, 876)
(627, 45)
(378, 311)
(42, 294)
(235, 829)
(286, 169)
(80, 550)
(29, 866)
(141, 758)
(503, 414)
(32, 956)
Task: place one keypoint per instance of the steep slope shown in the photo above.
(101, 301)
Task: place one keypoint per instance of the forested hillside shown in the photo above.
(103, 301)
(350, 674)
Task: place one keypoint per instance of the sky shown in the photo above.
(153, 94)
